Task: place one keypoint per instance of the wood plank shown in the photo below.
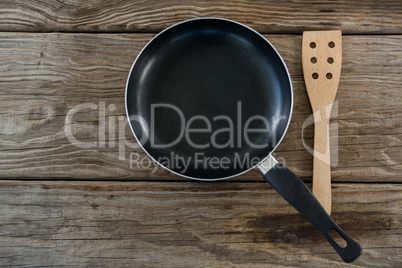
(352, 17)
(179, 224)
(44, 76)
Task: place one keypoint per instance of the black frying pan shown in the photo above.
(210, 99)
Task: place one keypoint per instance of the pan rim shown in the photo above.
(247, 27)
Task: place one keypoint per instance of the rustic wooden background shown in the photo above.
(64, 205)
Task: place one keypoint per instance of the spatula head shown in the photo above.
(322, 60)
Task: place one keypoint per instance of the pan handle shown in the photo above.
(296, 193)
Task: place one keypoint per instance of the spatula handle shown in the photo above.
(322, 61)
(321, 165)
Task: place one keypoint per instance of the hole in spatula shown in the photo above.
(330, 60)
(331, 44)
(329, 76)
(312, 45)
(315, 75)
(338, 238)
(313, 60)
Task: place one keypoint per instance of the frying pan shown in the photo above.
(210, 99)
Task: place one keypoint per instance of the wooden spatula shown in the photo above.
(322, 60)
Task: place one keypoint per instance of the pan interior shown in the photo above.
(198, 94)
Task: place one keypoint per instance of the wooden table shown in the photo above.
(65, 205)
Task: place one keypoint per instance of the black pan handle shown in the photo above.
(293, 190)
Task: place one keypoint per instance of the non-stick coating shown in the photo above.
(209, 67)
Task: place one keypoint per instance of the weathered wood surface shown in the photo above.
(352, 17)
(44, 76)
(177, 224)
(186, 224)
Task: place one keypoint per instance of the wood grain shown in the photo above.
(352, 17)
(321, 78)
(44, 76)
(181, 224)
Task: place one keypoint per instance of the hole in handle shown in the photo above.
(330, 60)
(336, 236)
(312, 45)
(329, 76)
(315, 75)
(331, 44)
(313, 60)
